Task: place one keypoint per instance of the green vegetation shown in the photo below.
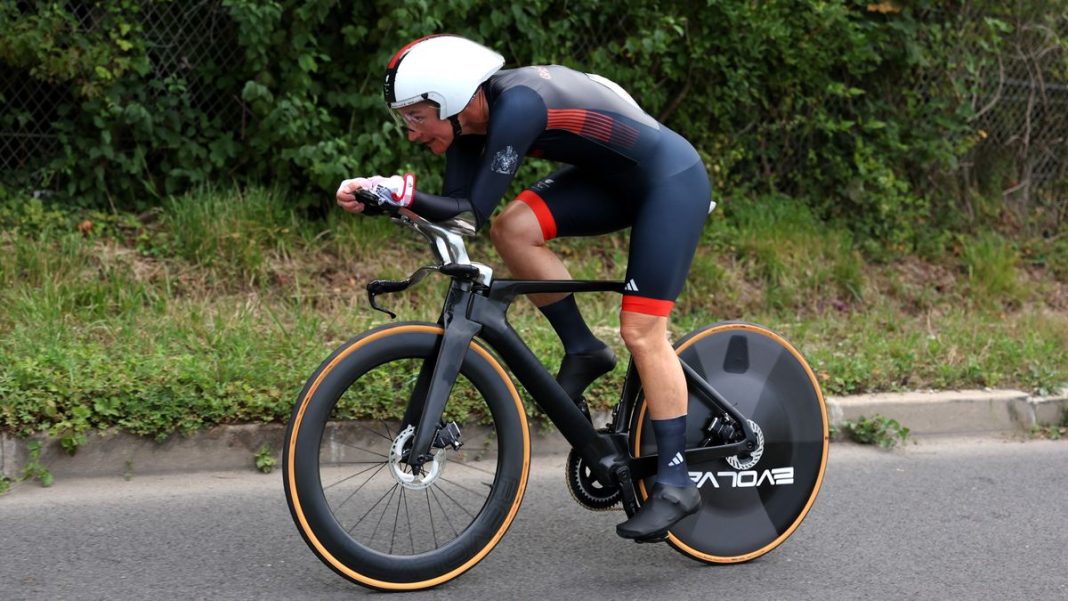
(265, 461)
(217, 306)
(876, 430)
(866, 112)
(1049, 431)
(33, 470)
(1052, 431)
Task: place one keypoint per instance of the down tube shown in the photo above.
(532, 375)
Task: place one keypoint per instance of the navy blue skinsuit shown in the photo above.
(623, 169)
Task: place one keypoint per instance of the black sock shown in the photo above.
(570, 327)
(670, 446)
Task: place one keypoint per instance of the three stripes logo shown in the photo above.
(676, 460)
(631, 286)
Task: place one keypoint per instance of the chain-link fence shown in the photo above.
(189, 45)
(1021, 112)
(27, 133)
(1021, 109)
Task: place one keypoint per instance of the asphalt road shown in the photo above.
(975, 519)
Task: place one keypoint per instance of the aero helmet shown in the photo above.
(446, 69)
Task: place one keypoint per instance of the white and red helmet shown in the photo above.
(446, 69)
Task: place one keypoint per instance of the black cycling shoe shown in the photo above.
(579, 370)
(666, 506)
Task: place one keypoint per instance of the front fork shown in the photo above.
(437, 377)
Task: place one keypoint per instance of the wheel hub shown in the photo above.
(743, 464)
(403, 473)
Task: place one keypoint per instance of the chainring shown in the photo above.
(585, 489)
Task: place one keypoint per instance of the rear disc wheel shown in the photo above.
(750, 503)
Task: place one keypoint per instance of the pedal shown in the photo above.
(626, 487)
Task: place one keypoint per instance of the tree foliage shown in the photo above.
(850, 105)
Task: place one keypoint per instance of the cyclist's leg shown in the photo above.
(566, 203)
(664, 237)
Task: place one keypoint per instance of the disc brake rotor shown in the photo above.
(743, 464)
(403, 473)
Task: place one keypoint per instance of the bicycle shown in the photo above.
(414, 502)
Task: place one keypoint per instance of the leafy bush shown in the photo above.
(880, 430)
(851, 105)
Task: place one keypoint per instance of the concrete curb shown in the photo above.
(954, 413)
(998, 413)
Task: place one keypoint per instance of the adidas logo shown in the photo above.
(676, 460)
(631, 286)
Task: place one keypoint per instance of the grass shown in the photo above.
(875, 430)
(217, 306)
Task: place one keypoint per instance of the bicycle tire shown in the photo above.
(749, 508)
(313, 454)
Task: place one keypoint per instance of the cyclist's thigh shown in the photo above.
(667, 227)
(570, 202)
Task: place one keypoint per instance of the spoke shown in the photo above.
(411, 537)
(389, 438)
(352, 446)
(458, 504)
(371, 477)
(372, 508)
(388, 432)
(385, 508)
(430, 512)
(462, 487)
(396, 518)
(471, 467)
(443, 512)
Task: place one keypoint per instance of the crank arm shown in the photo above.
(646, 466)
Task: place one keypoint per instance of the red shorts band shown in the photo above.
(647, 306)
(541, 211)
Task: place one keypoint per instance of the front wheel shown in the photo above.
(749, 504)
(361, 509)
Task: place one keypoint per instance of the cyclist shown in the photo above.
(621, 169)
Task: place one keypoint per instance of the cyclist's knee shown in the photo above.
(516, 226)
(642, 333)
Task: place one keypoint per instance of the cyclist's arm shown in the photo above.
(461, 162)
(518, 117)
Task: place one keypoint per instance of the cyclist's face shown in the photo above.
(424, 126)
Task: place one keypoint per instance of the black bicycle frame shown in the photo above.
(473, 310)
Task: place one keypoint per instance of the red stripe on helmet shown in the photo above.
(400, 53)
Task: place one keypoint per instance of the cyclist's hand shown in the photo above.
(346, 194)
(398, 190)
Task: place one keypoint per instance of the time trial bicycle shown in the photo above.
(422, 494)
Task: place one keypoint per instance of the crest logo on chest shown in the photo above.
(505, 161)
